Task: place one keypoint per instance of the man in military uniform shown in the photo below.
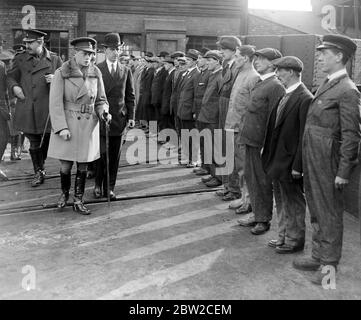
(330, 153)
(29, 80)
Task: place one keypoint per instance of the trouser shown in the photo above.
(291, 211)
(4, 136)
(166, 122)
(35, 140)
(114, 157)
(206, 146)
(259, 185)
(177, 123)
(236, 179)
(189, 125)
(65, 166)
(223, 110)
(325, 202)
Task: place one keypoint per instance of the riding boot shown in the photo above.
(38, 163)
(65, 181)
(14, 149)
(78, 205)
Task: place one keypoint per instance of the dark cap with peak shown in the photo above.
(177, 54)
(193, 54)
(229, 42)
(289, 62)
(336, 41)
(86, 44)
(33, 35)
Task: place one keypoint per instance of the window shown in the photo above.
(56, 41)
(132, 41)
(199, 42)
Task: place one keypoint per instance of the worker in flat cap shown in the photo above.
(167, 121)
(330, 154)
(185, 105)
(77, 104)
(207, 120)
(228, 46)
(19, 48)
(157, 88)
(119, 90)
(282, 156)
(144, 112)
(29, 80)
(180, 63)
(239, 101)
(265, 96)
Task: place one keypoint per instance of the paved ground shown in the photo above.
(178, 247)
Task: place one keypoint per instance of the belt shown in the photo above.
(79, 107)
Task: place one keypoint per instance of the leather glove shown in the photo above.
(65, 134)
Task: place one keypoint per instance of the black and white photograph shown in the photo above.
(185, 153)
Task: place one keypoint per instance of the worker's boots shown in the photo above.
(38, 163)
(78, 205)
(65, 181)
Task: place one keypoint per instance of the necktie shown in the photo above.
(281, 107)
(113, 71)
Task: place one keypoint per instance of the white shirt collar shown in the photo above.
(110, 64)
(267, 75)
(293, 87)
(337, 74)
(191, 69)
(215, 71)
(171, 70)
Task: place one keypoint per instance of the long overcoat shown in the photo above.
(77, 100)
(29, 73)
(120, 95)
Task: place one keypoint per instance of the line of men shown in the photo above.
(289, 145)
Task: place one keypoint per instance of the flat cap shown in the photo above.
(204, 50)
(193, 54)
(247, 50)
(336, 41)
(229, 42)
(86, 44)
(163, 54)
(289, 62)
(269, 53)
(33, 35)
(182, 60)
(177, 54)
(214, 54)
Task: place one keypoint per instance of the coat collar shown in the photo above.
(327, 86)
(291, 103)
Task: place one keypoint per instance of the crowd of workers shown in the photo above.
(288, 145)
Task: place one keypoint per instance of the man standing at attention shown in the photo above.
(330, 153)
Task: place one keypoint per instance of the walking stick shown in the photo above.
(107, 160)
(44, 131)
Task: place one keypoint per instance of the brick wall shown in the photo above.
(10, 19)
(259, 26)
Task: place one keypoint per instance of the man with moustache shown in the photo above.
(264, 97)
(29, 80)
(119, 90)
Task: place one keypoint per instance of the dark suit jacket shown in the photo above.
(120, 95)
(282, 150)
(336, 108)
(186, 95)
(157, 87)
(145, 96)
(167, 93)
(174, 99)
(228, 78)
(264, 97)
(199, 90)
(4, 106)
